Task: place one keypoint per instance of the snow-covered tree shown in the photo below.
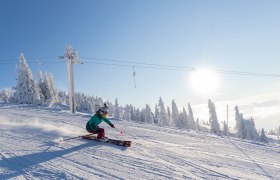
(53, 90)
(185, 121)
(47, 89)
(250, 131)
(175, 116)
(133, 113)
(239, 123)
(181, 119)
(198, 128)
(245, 127)
(27, 91)
(7, 95)
(127, 113)
(139, 116)
(162, 113)
(84, 103)
(263, 137)
(148, 118)
(215, 127)
(62, 97)
(225, 128)
(191, 118)
(142, 115)
(117, 112)
(168, 114)
(157, 119)
(41, 86)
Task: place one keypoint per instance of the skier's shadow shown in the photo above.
(22, 165)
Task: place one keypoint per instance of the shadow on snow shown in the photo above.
(23, 165)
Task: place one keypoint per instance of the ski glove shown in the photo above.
(112, 125)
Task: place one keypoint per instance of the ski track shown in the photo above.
(27, 151)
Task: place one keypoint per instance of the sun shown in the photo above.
(204, 81)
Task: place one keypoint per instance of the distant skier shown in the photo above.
(96, 119)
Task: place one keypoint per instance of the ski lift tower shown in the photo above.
(72, 57)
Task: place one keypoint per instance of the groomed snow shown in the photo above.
(29, 150)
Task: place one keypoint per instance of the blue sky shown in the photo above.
(214, 34)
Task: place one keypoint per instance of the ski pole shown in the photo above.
(119, 130)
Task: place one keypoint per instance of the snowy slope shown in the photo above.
(28, 151)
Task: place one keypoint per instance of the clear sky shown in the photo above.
(232, 35)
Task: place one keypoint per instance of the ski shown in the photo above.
(109, 140)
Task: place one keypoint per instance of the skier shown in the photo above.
(96, 119)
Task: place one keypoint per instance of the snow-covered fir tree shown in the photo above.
(225, 128)
(157, 119)
(175, 116)
(127, 113)
(7, 95)
(62, 97)
(54, 94)
(162, 113)
(215, 127)
(142, 115)
(47, 89)
(185, 121)
(117, 111)
(250, 131)
(191, 118)
(148, 118)
(245, 127)
(168, 114)
(239, 123)
(133, 113)
(138, 116)
(263, 137)
(41, 86)
(180, 118)
(84, 103)
(27, 91)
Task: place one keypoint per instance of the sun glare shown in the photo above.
(204, 81)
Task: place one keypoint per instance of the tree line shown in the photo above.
(44, 93)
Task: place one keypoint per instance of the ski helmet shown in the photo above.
(104, 109)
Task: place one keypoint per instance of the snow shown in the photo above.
(30, 149)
